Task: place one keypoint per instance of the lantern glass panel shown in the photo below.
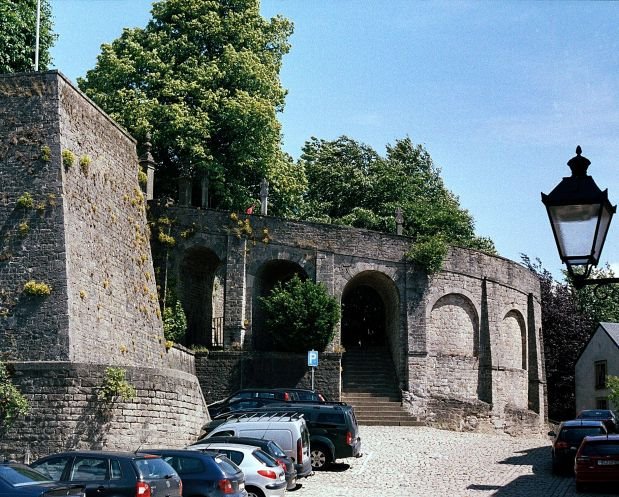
(575, 229)
(605, 217)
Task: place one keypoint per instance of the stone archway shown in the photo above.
(267, 276)
(199, 276)
(370, 311)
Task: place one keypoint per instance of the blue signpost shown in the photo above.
(312, 362)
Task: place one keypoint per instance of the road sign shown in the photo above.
(312, 358)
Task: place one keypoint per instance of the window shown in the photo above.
(88, 469)
(116, 473)
(601, 403)
(53, 467)
(600, 374)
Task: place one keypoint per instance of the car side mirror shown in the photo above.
(552, 434)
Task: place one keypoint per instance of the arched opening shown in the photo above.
(266, 278)
(370, 311)
(198, 271)
(363, 318)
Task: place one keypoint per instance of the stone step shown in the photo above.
(391, 423)
(370, 404)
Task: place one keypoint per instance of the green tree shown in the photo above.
(18, 35)
(601, 304)
(612, 383)
(203, 79)
(12, 403)
(300, 315)
(349, 183)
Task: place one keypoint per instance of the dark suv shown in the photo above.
(567, 440)
(334, 432)
(117, 474)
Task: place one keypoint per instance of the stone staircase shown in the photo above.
(369, 384)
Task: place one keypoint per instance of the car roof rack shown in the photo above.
(259, 416)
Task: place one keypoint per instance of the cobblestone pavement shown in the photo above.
(423, 462)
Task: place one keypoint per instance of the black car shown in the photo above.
(269, 446)
(205, 474)
(333, 428)
(19, 480)
(605, 415)
(568, 439)
(248, 398)
(118, 474)
(252, 398)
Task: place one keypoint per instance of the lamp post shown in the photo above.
(580, 215)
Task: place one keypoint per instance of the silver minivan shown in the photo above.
(288, 430)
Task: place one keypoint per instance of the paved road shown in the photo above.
(423, 462)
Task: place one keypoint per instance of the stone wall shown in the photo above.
(32, 239)
(85, 235)
(223, 372)
(66, 414)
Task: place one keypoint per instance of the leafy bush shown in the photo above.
(429, 252)
(174, 322)
(115, 385)
(12, 403)
(300, 315)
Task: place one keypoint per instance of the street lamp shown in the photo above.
(580, 215)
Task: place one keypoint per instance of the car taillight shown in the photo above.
(282, 463)
(348, 438)
(142, 489)
(561, 445)
(582, 459)
(299, 451)
(268, 473)
(180, 487)
(225, 486)
(286, 396)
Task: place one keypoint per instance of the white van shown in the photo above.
(289, 431)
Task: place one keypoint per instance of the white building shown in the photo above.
(599, 359)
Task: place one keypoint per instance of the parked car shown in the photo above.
(597, 461)
(263, 476)
(251, 398)
(333, 428)
(568, 438)
(288, 430)
(117, 474)
(205, 474)
(269, 446)
(19, 480)
(605, 415)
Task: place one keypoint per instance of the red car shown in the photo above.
(597, 461)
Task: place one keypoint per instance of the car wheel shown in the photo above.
(320, 459)
(580, 487)
(254, 492)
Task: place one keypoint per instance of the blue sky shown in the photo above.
(500, 93)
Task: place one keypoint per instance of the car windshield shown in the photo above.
(601, 449)
(276, 450)
(18, 476)
(153, 467)
(575, 435)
